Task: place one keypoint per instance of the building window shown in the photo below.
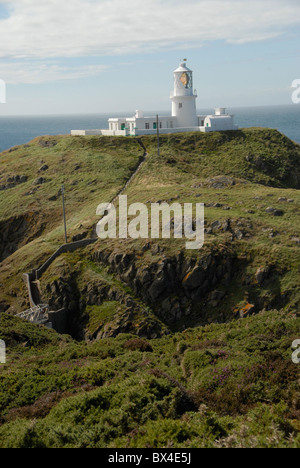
(122, 126)
(160, 125)
(202, 123)
(147, 126)
(154, 125)
(180, 105)
(171, 124)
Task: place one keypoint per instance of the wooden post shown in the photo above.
(157, 129)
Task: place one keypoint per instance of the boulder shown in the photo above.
(216, 225)
(247, 310)
(47, 143)
(39, 181)
(262, 274)
(220, 182)
(278, 213)
(274, 211)
(238, 234)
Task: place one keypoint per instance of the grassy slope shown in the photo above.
(187, 161)
(184, 175)
(226, 385)
(240, 373)
(92, 171)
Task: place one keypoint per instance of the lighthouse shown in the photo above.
(184, 97)
(184, 116)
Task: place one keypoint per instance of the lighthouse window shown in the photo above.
(180, 105)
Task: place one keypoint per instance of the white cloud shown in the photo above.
(36, 72)
(37, 34)
(52, 28)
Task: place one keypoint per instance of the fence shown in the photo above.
(37, 314)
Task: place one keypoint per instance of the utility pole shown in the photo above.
(64, 211)
(157, 129)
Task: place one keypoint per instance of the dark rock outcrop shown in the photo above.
(13, 182)
(173, 286)
(16, 231)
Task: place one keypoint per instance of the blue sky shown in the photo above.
(99, 56)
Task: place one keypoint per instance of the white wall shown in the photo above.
(99, 132)
(219, 123)
(85, 132)
(184, 109)
(165, 122)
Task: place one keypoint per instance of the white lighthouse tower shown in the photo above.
(184, 116)
(184, 97)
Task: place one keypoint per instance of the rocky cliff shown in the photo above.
(248, 181)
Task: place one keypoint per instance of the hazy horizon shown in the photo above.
(152, 112)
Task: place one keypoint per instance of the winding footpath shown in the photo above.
(51, 318)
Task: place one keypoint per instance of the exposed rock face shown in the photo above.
(13, 181)
(246, 310)
(262, 274)
(47, 143)
(174, 285)
(129, 317)
(220, 182)
(16, 231)
(168, 292)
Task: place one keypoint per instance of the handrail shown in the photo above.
(35, 314)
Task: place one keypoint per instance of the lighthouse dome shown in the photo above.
(182, 68)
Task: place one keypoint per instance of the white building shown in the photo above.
(184, 116)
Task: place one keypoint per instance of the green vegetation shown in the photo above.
(174, 369)
(231, 385)
(100, 314)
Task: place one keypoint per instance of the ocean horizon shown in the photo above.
(18, 130)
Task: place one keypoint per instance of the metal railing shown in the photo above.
(38, 314)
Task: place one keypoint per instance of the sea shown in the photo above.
(20, 130)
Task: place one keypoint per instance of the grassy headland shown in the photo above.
(165, 347)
